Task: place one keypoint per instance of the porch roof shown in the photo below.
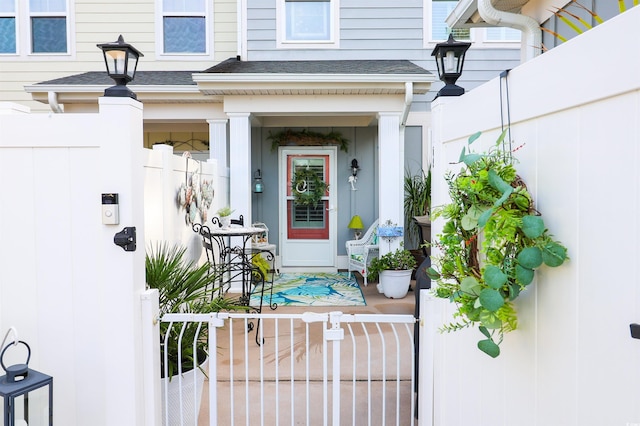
(230, 77)
(341, 77)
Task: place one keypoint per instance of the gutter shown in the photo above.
(530, 28)
(408, 100)
(53, 102)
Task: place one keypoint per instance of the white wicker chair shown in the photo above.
(360, 252)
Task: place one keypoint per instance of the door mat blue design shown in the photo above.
(313, 289)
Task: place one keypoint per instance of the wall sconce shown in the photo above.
(257, 182)
(450, 59)
(357, 226)
(354, 167)
(16, 385)
(121, 60)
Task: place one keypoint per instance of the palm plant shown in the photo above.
(417, 200)
(183, 287)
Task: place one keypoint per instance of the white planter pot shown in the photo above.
(225, 221)
(395, 284)
(191, 397)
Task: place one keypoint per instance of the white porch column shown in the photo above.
(218, 152)
(240, 165)
(391, 176)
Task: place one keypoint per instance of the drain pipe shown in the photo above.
(530, 28)
(408, 100)
(53, 102)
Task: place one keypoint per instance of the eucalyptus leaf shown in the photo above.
(469, 159)
(469, 222)
(473, 137)
(484, 331)
(490, 320)
(530, 257)
(494, 277)
(462, 154)
(497, 182)
(489, 347)
(524, 275)
(554, 254)
(491, 299)
(532, 226)
(470, 285)
(514, 291)
(475, 212)
(433, 274)
(484, 217)
(505, 197)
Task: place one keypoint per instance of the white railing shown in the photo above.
(293, 377)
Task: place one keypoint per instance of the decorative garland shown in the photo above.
(307, 187)
(491, 244)
(307, 137)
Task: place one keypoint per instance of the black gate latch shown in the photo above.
(126, 238)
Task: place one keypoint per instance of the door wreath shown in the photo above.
(307, 187)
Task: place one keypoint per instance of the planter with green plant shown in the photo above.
(491, 243)
(393, 272)
(183, 287)
(224, 215)
(417, 207)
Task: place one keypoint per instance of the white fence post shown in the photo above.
(151, 354)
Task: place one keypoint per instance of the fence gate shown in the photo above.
(310, 369)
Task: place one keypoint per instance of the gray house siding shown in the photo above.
(370, 30)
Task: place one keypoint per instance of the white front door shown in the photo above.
(307, 231)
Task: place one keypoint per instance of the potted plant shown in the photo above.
(183, 287)
(393, 271)
(224, 214)
(417, 206)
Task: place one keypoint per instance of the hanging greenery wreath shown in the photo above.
(491, 244)
(307, 187)
(307, 137)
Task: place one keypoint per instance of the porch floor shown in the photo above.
(377, 303)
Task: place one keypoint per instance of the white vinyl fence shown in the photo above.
(311, 369)
(572, 361)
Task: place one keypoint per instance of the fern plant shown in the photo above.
(491, 243)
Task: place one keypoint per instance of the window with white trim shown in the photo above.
(48, 29)
(184, 26)
(437, 30)
(305, 23)
(8, 35)
(440, 31)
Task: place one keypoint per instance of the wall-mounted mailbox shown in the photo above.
(110, 215)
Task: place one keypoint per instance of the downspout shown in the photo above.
(408, 100)
(239, 18)
(530, 27)
(53, 102)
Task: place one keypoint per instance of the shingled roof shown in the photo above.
(143, 78)
(234, 66)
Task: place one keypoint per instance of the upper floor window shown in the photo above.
(48, 23)
(437, 30)
(306, 23)
(440, 9)
(8, 26)
(184, 26)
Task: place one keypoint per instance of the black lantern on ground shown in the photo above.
(450, 59)
(17, 384)
(257, 182)
(122, 60)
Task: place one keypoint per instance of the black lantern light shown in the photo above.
(257, 182)
(18, 382)
(122, 60)
(450, 58)
(354, 167)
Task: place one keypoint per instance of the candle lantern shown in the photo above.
(24, 392)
